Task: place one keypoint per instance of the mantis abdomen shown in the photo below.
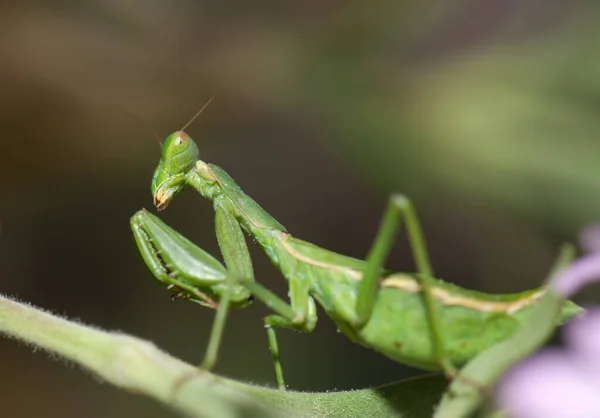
(470, 321)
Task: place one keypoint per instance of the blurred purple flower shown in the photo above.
(559, 383)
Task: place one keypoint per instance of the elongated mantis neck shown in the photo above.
(215, 184)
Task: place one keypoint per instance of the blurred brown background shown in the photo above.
(484, 112)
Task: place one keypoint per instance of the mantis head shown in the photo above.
(179, 155)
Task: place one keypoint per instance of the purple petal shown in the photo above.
(580, 273)
(549, 385)
(589, 239)
(583, 336)
(584, 270)
(566, 383)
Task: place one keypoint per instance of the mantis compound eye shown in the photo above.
(181, 139)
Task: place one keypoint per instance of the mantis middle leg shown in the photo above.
(299, 315)
(239, 266)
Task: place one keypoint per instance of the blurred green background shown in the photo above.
(484, 112)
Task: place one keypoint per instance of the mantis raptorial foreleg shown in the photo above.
(172, 267)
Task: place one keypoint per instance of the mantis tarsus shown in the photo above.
(412, 318)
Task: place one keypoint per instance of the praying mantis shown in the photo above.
(412, 318)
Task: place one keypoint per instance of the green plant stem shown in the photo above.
(127, 362)
(140, 367)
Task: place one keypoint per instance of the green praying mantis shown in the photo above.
(412, 318)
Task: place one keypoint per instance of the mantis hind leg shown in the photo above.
(400, 208)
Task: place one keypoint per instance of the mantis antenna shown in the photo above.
(197, 114)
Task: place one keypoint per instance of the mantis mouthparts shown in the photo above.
(162, 198)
